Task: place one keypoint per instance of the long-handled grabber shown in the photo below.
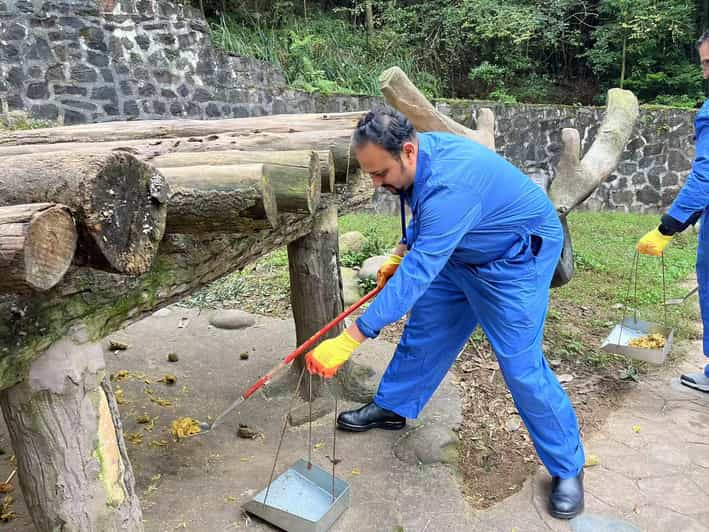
(309, 343)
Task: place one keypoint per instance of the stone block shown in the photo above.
(45, 111)
(38, 91)
(648, 195)
(69, 90)
(78, 104)
(83, 74)
(12, 32)
(107, 75)
(111, 109)
(159, 107)
(168, 94)
(147, 90)
(55, 73)
(9, 52)
(202, 95)
(16, 77)
(130, 108)
(74, 117)
(107, 92)
(97, 59)
(212, 110)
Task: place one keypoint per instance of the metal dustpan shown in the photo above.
(302, 499)
(630, 328)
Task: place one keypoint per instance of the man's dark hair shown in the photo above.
(704, 38)
(386, 127)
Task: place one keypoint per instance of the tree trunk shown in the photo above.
(37, 245)
(404, 96)
(299, 158)
(117, 201)
(67, 437)
(338, 141)
(219, 198)
(369, 16)
(315, 286)
(577, 179)
(147, 129)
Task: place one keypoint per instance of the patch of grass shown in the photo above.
(604, 251)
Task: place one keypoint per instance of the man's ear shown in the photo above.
(409, 150)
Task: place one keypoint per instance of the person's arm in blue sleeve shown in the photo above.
(694, 196)
(446, 216)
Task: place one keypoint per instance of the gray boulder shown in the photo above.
(352, 241)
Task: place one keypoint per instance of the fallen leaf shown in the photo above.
(636, 429)
(158, 443)
(319, 445)
(356, 471)
(184, 426)
(136, 438)
(230, 498)
(160, 401)
(115, 345)
(169, 379)
(591, 460)
(566, 377)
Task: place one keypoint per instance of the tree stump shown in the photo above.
(67, 437)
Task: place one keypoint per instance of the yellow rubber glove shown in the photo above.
(653, 243)
(327, 357)
(387, 269)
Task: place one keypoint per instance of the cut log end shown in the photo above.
(128, 217)
(327, 171)
(37, 245)
(50, 247)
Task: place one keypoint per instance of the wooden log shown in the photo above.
(298, 158)
(315, 286)
(296, 188)
(400, 93)
(117, 202)
(66, 434)
(145, 129)
(338, 141)
(219, 198)
(327, 170)
(37, 245)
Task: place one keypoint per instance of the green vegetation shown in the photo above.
(563, 51)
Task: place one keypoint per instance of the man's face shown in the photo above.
(395, 175)
(704, 58)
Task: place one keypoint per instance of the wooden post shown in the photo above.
(67, 437)
(315, 286)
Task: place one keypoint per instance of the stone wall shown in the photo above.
(76, 61)
(653, 167)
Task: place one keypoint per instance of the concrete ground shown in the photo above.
(653, 452)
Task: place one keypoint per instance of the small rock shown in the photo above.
(352, 241)
(565, 377)
(350, 287)
(172, 357)
(115, 345)
(555, 362)
(617, 306)
(232, 319)
(163, 312)
(244, 355)
(513, 424)
(370, 267)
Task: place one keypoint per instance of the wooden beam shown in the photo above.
(227, 198)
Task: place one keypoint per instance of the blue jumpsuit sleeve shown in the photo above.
(694, 196)
(446, 216)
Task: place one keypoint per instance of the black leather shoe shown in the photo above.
(370, 416)
(566, 496)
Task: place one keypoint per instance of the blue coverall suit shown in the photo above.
(690, 204)
(484, 243)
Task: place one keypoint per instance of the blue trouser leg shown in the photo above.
(703, 280)
(511, 298)
(439, 324)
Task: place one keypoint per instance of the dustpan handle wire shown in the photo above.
(664, 290)
(283, 434)
(633, 275)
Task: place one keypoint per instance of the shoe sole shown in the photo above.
(566, 515)
(693, 385)
(386, 425)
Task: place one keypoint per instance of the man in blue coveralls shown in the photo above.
(483, 244)
(690, 204)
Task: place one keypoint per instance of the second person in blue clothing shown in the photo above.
(481, 249)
